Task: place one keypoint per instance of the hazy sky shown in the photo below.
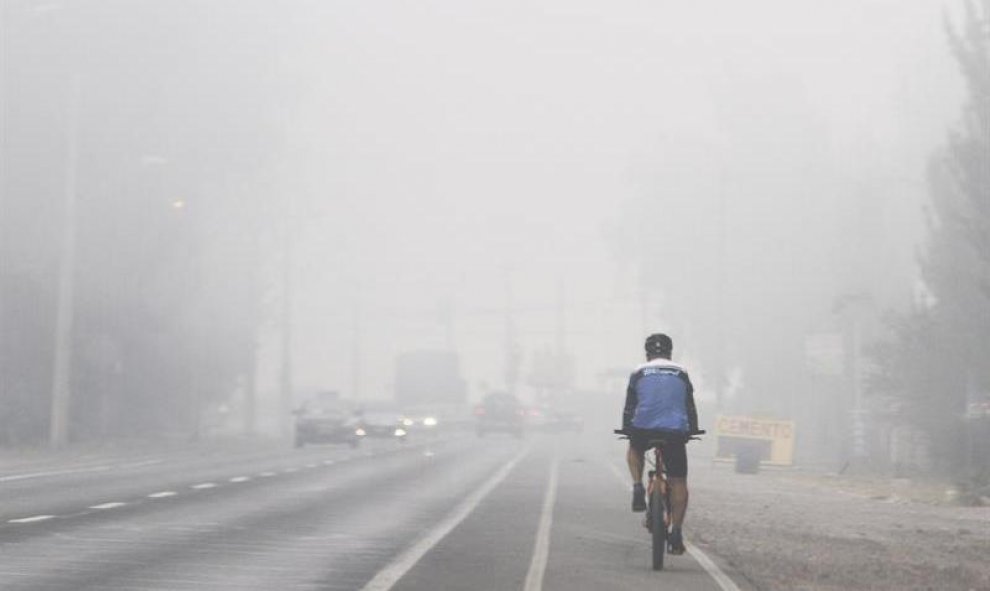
(436, 148)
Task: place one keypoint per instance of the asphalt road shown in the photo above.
(455, 513)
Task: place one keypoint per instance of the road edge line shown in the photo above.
(721, 579)
(387, 577)
(541, 549)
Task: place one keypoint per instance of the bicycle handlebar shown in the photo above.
(691, 435)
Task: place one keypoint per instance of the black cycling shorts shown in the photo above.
(674, 450)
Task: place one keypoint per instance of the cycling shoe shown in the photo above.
(675, 542)
(639, 498)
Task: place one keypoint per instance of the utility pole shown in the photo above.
(722, 268)
(250, 408)
(511, 350)
(285, 321)
(860, 447)
(356, 352)
(560, 346)
(559, 333)
(255, 310)
(65, 311)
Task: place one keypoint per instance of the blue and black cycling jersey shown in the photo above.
(660, 396)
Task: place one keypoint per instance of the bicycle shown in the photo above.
(658, 513)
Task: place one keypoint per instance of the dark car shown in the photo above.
(500, 413)
(319, 425)
(382, 424)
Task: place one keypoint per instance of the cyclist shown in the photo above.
(660, 397)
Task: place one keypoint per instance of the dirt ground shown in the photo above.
(796, 532)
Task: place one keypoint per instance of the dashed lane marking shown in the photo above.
(390, 575)
(716, 573)
(33, 519)
(157, 495)
(104, 506)
(541, 550)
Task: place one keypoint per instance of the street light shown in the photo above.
(58, 434)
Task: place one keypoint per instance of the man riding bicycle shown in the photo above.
(660, 397)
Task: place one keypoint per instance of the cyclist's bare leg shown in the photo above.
(678, 500)
(635, 460)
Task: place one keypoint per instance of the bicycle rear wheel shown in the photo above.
(658, 526)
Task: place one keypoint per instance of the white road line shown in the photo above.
(310, 466)
(100, 468)
(722, 579)
(162, 495)
(266, 474)
(15, 477)
(390, 575)
(541, 550)
(706, 563)
(327, 462)
(108, 506)
(624, 479)
(204, 485)
(33, 519)
(142, 464)
(290, 470)
(239, 479)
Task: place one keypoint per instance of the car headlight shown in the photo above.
(429, 422)
(360, 432)
(400, 432)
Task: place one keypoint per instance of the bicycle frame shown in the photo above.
(658, 478)
(658, 513)
(658, 497)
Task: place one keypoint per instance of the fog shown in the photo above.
(347, 294)
(498, 179)
(631, 160)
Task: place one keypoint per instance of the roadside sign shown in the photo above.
(775, 438)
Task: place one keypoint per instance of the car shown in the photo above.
(382, 425)
(420, 421)
(321, 425)
(500, 412)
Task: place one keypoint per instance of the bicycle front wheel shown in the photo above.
(659, 526)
